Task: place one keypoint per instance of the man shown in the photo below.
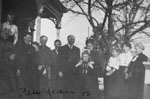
(44, 63)
(55, 78)
(24, 57)
(68, 57)
(54, 54)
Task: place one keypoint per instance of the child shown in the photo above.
(113, 63)
(86, 79)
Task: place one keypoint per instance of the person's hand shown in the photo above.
(108, 68)
(90, 64)
(44, 72)
(126, 70)
(40, 67)
(110, 72)
(60, 74)
(12, 56)
(79, 63)
(127, 76)
(18, 73)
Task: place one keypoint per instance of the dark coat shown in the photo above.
(86, 82)
(44, 56)
(135, 84)
(96, 57)
(54, 56)
(24, 58)
(67, 59)
(8, 68)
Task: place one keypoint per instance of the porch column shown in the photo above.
(58, 30)
(38, 29)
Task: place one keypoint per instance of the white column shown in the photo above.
(58, 31)
(37, 34)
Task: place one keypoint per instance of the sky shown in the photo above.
(77, 26)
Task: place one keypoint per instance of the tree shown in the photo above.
(113, 19)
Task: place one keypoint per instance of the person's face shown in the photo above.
(10, 18)
(126, 48)
(57, 45)
(71, 40)
(85, 57)
(115, 53)
(28, 39)
(90, 46)
(43, 41)
(138, 50)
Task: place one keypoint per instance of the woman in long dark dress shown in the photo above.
(98, 58)
(136, 74)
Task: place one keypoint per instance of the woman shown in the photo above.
(9, 29)
(111, 71)
(86, 81)
(118, 79)
(99, 62)
(96, 57)
(136, 74)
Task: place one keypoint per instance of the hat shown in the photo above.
(140, 45)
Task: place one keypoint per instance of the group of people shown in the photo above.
(31, 70)
(125, 73)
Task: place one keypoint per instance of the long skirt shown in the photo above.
(115, 84)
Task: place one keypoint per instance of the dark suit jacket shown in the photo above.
(24, 57)
(67, 59)
(44, 56)
(54, 56)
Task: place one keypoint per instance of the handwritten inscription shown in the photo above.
(49, 92)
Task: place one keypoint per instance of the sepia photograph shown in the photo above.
(74, 49)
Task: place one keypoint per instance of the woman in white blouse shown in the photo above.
(9, 29)
(117, 79)
(111, 70)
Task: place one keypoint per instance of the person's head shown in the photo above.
(43, 40)
(35, 45)
(115, 52)
(133, 52)
(86, 56)
(71, 39)
(57, 44)
(126, 47)
(139, 47)
(90, 44)
(10, 17)
(27, 38)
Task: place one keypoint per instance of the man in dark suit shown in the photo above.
(68, 57)
(54, 54)
(55, 77)
(24, 57)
